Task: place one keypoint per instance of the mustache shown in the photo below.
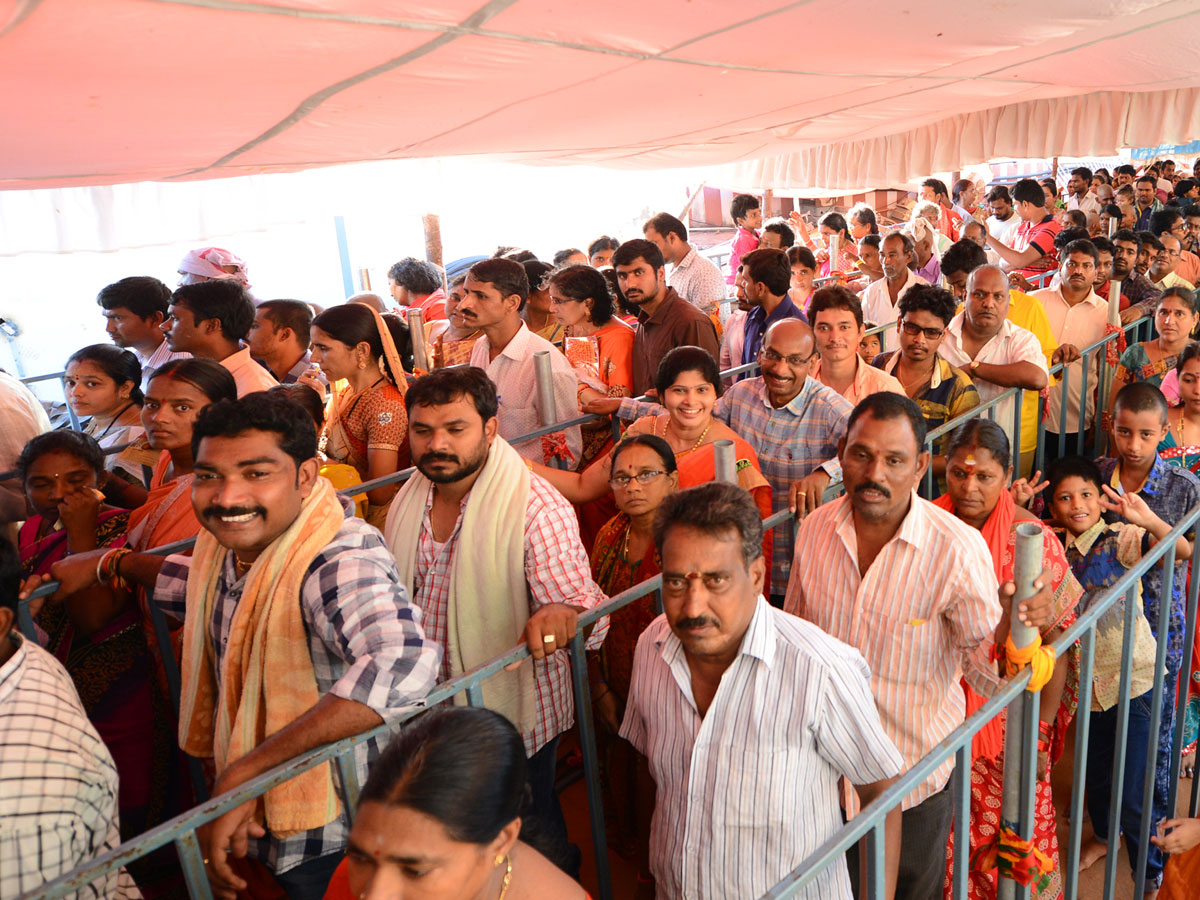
(695, 622)
(438, 457)
(873, 486)
(214, 512)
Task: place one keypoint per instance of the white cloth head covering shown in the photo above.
(919, 229)
(207, 262)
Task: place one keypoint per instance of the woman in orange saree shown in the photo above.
(978, 469)
(689, 384)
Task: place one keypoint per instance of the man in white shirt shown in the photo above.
(1079, 191)
(134, 310)
(748, 716)
(694, 277)
(1004, 221)
(210, 320)
(880, 297)
(496, 291)
(1078, 317)
(997, 354)
(58, 784)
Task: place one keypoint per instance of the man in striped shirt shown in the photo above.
(914, 590)
(748, 716)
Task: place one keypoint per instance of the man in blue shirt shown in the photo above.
(767, 277)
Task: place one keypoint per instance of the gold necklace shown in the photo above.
(507, 877)
(699, 440)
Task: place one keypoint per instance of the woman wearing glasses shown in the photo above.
(643, 473)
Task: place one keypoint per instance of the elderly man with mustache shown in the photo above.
(913, 589)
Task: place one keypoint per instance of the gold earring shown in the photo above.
(361, 364)
(499, 860)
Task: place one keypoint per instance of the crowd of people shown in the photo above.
(795, 671)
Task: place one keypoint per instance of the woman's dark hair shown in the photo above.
(687, 359)
(983, 434)
(397, 325)
(354, 324)
(207, 376)
(259, 411)
(65, 440)
(801, 256)
(602, 243)
(1187, 354)
(462, 766)
(836, 222)
(1180, 293)
(653, 442)
(121, 366)
(307, 397)
(864, 215)
(580, 282)
(443, 386)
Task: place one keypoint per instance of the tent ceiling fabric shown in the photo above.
(822, 93)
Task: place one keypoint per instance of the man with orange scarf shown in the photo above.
(297, 594)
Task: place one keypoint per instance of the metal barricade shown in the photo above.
(181, 831)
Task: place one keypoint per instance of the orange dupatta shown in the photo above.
(989, 740)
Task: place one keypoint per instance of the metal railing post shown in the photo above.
(591, 764)
(1065, 388)
(1018, 414)
(1018, 781)
(1120, 744)
(1083, 398)
(1185, 680)
(724, 461)
(544, 379)
(1083, 720)
(416, 334)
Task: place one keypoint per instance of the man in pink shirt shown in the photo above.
(746, 212)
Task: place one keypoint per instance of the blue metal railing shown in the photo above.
(181, 831)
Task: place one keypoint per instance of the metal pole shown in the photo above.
(1027, 565)
(416, 331)
(724, 462)
(339, 227)
(544, 378)
(1114, 302)
(835, 247)
(591, 764)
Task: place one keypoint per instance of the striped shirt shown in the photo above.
(162, 354)
(922, 616)
(557, 570)
(791, 442)
(747, 791)
(58, 784)
(697, 280)
(365, 641)
(947, 395)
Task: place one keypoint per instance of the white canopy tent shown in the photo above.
(819, 93)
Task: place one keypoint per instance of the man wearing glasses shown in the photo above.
(942, 391)
(1172, 221)
(1164, 262)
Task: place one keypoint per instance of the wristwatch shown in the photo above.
(974, 365)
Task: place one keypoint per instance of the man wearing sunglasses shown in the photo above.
(942, 391)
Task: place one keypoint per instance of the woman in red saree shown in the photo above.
(978, 469)
(97, 636)
(689, 384)
(643, 474)
(367, 424)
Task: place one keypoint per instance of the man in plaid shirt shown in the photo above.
(255, 464)
(452, 429)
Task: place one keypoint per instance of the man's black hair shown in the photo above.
(714, 509)
(1081, 245)
(259, 411)
(664, 224)
(639, 248)
(1000, 192)
(1141, 396)
(416, 275)
(142, 295)
(506, 275)
(1072, 466)
(1125, 170)
(787, 237)
(223, 299)
(1102, 244)
(1083, 172)
(770, 267)
(294, 314)
(1163, 220)
(1029, 191)
(890, 405)
(1128, 235)
(834, 296)
(939, 187)
(963, 256)
(443, 386)
(929, 298)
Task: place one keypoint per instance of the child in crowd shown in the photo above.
(1137, 484)
(746, 212)
(869, 347)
